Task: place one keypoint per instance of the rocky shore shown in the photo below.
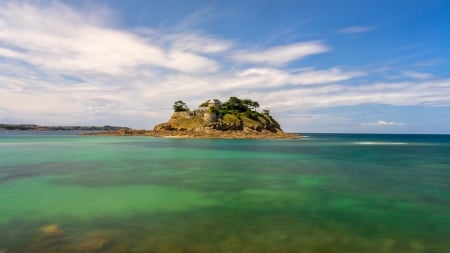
(207, 134)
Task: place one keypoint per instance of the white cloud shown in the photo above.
(197, 43)
(271, 77)
(10, 53)
(356, 29)
(383, 123)
(417, 75)
(281, 55)
(72, 44)
(433, 93)
(311, 76)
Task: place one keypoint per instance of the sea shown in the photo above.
(337, 193)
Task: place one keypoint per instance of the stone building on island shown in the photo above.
(206, 111)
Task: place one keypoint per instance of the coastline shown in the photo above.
(210, 134)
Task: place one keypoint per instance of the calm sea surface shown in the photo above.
(60, 192)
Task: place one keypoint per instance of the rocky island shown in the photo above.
(235, 118)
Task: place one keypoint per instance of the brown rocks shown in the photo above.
(219, 134)
(162, 127)
(206, 133)
(52, 236)
(188, 124)
(51, 230)
(94, 241)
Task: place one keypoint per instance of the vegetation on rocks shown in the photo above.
(180, 106)
(233, 115)
(235, 118)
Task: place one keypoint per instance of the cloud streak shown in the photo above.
(356, 29)
(382, 123)
(282, 55)
(417, 75)
(71, 44)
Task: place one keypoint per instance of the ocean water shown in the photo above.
(61, 192)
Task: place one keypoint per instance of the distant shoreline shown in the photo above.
(179, 134)
(32, 127)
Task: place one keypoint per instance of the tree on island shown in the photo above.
(247, 103)
(180, 106)
(234, 106)
(250, 104)
(240, 105)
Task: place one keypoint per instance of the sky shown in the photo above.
(318, 66)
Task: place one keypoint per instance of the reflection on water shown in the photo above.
(90, 194)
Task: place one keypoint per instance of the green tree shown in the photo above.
(250, 104)
(234, 104)
(180, 106)
(255, 105)
(247, 103)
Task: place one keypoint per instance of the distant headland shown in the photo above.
(235, 119)
(32, 127)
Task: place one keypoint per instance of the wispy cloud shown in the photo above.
(270, 77)
(432, 93)
(73, 44)
(428, 63)
(417, 75)
(197, 43)
(283, 54)
(356, 29)
(382, 123)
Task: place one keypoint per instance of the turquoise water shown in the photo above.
(61, 192)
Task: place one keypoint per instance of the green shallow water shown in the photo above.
(323, 193)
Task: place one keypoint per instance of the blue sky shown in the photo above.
(319, 66)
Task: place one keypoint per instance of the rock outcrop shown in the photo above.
(229, 126)
(235, 118)
(240, 122)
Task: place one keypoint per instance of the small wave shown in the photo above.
(378, 143)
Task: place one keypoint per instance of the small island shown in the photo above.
(233, 119)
